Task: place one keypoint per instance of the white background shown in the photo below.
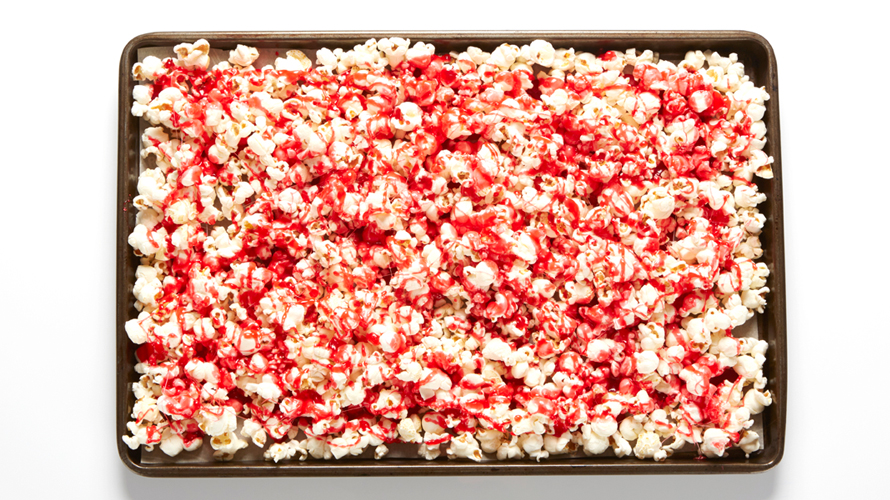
(59, 67)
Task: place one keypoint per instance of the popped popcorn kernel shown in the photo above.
(194, 56)
(243, 55)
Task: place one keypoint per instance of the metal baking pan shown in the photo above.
(760, 64)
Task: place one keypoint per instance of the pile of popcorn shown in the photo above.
(522, 253)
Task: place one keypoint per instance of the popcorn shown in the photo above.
(714, 442)
(194, 56)
(226, 445)
(750, 442)
(540, 52)
(409, 430)
(254, 430)
(648, 445)
(630, 428)
(400, 246)
(658, 204)
(756, 401)
(420, 55)
(593, 443)
(434, 381)
(465, 446)
(747, 196)
(171, 443)
(504, 56)
(532, 444)
(215, 421)
(244, 56)
(278, 452)
(395, 49)
(647, 362)
(410, 116)
(496, 350)
(296, 60)
(481, 276)
(135, 329)
(510, 450)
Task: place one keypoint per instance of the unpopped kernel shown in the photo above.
(520, 253)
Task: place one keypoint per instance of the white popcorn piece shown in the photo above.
(714, 442)
(648, 445)
(279, 452)
(319, 448)
(148, 69)
(429, 452)
(509, 450)
(533, 444)
(420, 54)
(410, 117)
(395, 49)
(756, 401)
(296, 60)
(630, 428)
(748, 196)
(135, 329)
(464, 446)
(483, 275)
(593, 443)
(647, 362)
(750, 442)
(194, 55)
(226, 445)
(658, 204)
(219, 421)
(435, 381)
(244, 56)
(504, 56)
(496, 350)
(255, 432)
(621, 447)
(409, 430)
(541, 52)
(557, 445)
(171, 443)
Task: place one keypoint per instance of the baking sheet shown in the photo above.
(667, 44)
